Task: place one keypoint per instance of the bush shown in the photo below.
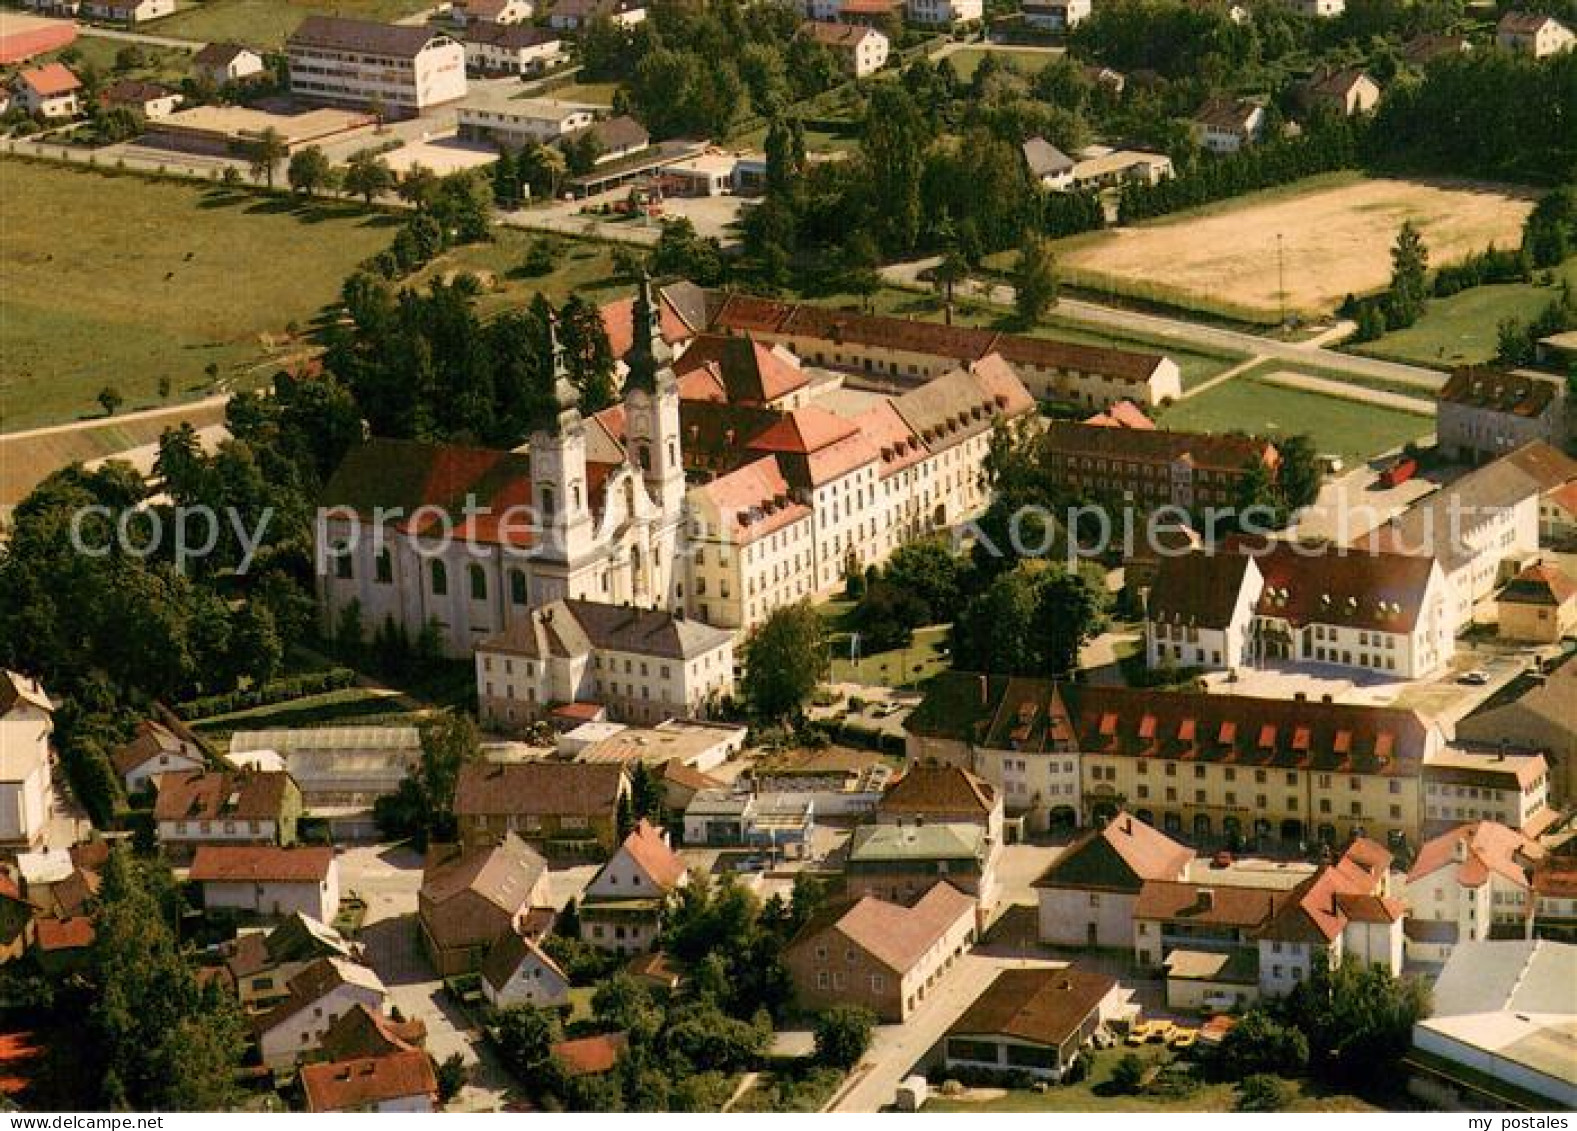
(1128, 1075)
(1263, 1092)
(843, 1035)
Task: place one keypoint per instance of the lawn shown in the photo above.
(1094, 1093)
(268, 23)
(923, 659)
(1461, 330)
(158, 64)
(966, 61)
(598, 93)
(585, 267)
(120, 280)
(350, 706)
(1353, 429)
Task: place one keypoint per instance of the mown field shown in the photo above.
(1319, 240)
(1351, 428)
(268, 23)
(966, 61)
(118, 280)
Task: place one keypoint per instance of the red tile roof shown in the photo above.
(939, 789)
(1476, 851)
(261, 864)
(1511, 393)
(50, 80)
(755, 500)
(894, 935)
(1123, 414)
(748, 371)
(590, 1056)
(1066, 439)
(350, 1085)
(75, 933)
(1539, 585)
(201, 795)
(647, 847)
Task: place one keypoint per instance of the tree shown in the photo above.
(452, 1074)
(1358, 1020)
(267, 152)
(368, 176)
(843, 1035)
(525, 1036)
(1409, 277)
(1068, 613)
(1128, 1074)
(583, 336)
(892, 155)
(785, 658)
(418, 187)
(1259, 1043)
(110, 400)
(1035, 281)
(309, 171)
(1263, 1092)
(928, 569)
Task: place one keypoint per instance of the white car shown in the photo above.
(1478, 677)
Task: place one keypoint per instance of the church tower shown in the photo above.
(651, 406)
(558, 468)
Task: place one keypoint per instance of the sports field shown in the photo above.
(268, 23)
(1335, 235)
(117, 280)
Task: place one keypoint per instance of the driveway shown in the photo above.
(388, 879)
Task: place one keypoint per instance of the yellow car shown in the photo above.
(1183, 1039)
(1138, 1033)
(1161, 1032)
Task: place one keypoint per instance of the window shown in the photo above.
(439, 576)
(546, 495)
(517, 586)
(384, 568)
(342, 566)
(478, 582)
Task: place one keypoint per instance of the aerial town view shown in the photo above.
(788, 556)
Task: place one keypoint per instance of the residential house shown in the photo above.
(511, 48)
(27, 719)
(560, 808)
(1103, 167)
(471, 899)
(644, 665)
(1533, 33)
(261, 963)
(1467, 885)
(1346, 92)
(900, 862)
(268, 881)
(1536, 714)
(944, 13)
(613, 139)
(1035, 1021)
(1056, 15)
(1150, 469)
(941, 794)
(1538, 606)
(881, 955)
(158, 747)
(1225, 125)
(519, 972)
(1555, 899)
(860, 50)
(1291, 602)
(63, 883)
(573, 15)
(765, 820)
(399, 69)
(1048, 166)
(224, 63)
(1498, 1036)
(1462, 784)
(147, 99)
(622, 908)
(497, 13)
(129, 12)
(491, 115)
(64, 946)
(1482, 414)
(1087, 897)
(402, 1081)
(319, 995)
(48, 92)
(222, 807)
(18, 930)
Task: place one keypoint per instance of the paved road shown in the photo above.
(1193, 333)
(1378, 397)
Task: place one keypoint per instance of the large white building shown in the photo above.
(493, 116)
(402, 69)
(26, 722)
(1468, 885)
(697, 494)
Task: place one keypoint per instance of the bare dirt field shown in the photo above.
(1336, 240)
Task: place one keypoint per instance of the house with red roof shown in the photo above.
(49, 92)
(268, 881)
(622, 908)
(1538, 606)
(211, 807)
(1470, 884)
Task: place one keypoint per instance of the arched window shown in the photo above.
(385, 567)
(478, 582)
(517, 586)
(342, 563)
(644, 454)
(547, 501)
(440, 578)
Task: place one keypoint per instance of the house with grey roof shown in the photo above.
(901, 862)
(402, 69)
(1047, 164)
(643, 665)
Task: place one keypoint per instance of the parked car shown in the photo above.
(1478, 677)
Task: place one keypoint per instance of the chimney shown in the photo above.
(1128, 826)
(1207, 899)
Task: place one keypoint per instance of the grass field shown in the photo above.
(119, 280)
(1094, 1093)
(967, 61)
(159, 64)
(597, 93)
(1461, 330)
(268, 23)
(1335, 235)
(1353, 429)
(585, 267)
